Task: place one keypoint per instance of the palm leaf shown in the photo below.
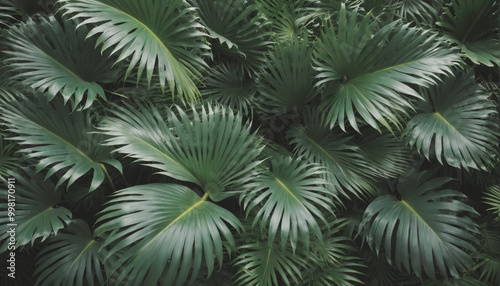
(37, 212)
(8, 161)
(72, 257)
(238, 29)
(213, 149)
(55, 59)
(288, 83)
(457, 123)
(229, 85)
(347, 169)
(473, 26)
(368, 74)
(6, 10)
(289, 196)
(285, 17)
(156, 35)
(267, 265)
(492, 198)
(428, 228)
(62, 141)
(166, 230)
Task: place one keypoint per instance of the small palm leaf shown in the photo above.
(62, 141)
(214, 149)
(239, 30)
(289, 196)
(72, 257)
(345, 165)
(37, 214)
(428, 228)
(264, 265)
(288, 83)
(284, 16)
(457, 123)
(473, 26)
(161, 35)
(369, 74)
(492, 198)
(8, 161)
(331, 260)
(229, 85)
(166, 230)
(56, 59)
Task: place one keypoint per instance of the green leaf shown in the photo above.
(267, 265)
(155, 35)
(72, 257)
(214, 149)
(62, 141)
(56, 59)
(492, 198)
(289, 197)
(229, 85)
(37, 213)
(427, 229)
(368, 74)
(456, 122)
(163, 232)
(347, 168)
(288, 83)
(473, 26)
(238, 29)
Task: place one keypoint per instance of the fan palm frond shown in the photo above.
(473, 26)
(427, 229)
(72, 257)
(289, 196)
(369, 75)
(214, 149)
(37, 214)
(166, 230)
(162, 38)
(492, 198)
(456, 122)
(55, 59)
(62, 141)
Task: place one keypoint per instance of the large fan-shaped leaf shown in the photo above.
(36, 212)
(290, 195)
(287, 84)
(214, 149)
(239, 29)
(473, 26)
(267, 265)
(346, 166)
(369, 74)
(457, 123)
(161, 35)
(62, 141)
(72, 257)
(428, 228)
(56, 59)
(166, 230)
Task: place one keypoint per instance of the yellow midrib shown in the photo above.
(287, 189)
(88, 245)
(421, 219)
(201, 201)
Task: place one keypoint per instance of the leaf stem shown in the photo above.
(107, 176)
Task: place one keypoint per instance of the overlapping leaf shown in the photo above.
(163, 232)
(427, 229)
(160, 37)
(54, 58)
(60, 140)
(37, 213)
(473, 26)
(214, 149)
(457, 123)
(368, 74)
(289, 197)
(239, 30)
(72, 257)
